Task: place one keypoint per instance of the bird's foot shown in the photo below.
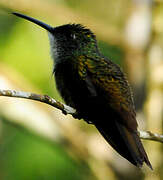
(77, 115)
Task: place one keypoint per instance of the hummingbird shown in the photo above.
(95, 86)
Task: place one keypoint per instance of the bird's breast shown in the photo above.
(70, 86)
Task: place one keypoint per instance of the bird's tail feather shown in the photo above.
(125, 142)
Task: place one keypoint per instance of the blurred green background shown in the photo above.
(38, 142)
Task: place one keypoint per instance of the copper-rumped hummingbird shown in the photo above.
(95, 86)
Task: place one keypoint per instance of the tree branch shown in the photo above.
(37, 97)
(147, 135)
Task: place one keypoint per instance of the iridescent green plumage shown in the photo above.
(108, 77)
(95, 87)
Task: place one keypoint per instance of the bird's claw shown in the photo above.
(77, 115)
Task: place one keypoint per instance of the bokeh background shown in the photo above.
(38, 142)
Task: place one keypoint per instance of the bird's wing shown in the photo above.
(108, 86)
(105, 78)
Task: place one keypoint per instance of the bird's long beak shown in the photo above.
(42, 24)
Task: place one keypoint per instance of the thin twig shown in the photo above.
(37, 97)
(147, 135)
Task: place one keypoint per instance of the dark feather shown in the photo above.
(91, 99)
(124, 141)
(95, 87)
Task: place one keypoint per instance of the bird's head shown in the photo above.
(68, 39)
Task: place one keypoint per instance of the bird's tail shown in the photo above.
(126, 142)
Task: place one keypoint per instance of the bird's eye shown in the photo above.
(73, 36)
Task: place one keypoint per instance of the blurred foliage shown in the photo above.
(113, 52)
(24, 157)
(28, 53)
(24, 47)
(106, 12)
(6, 26)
